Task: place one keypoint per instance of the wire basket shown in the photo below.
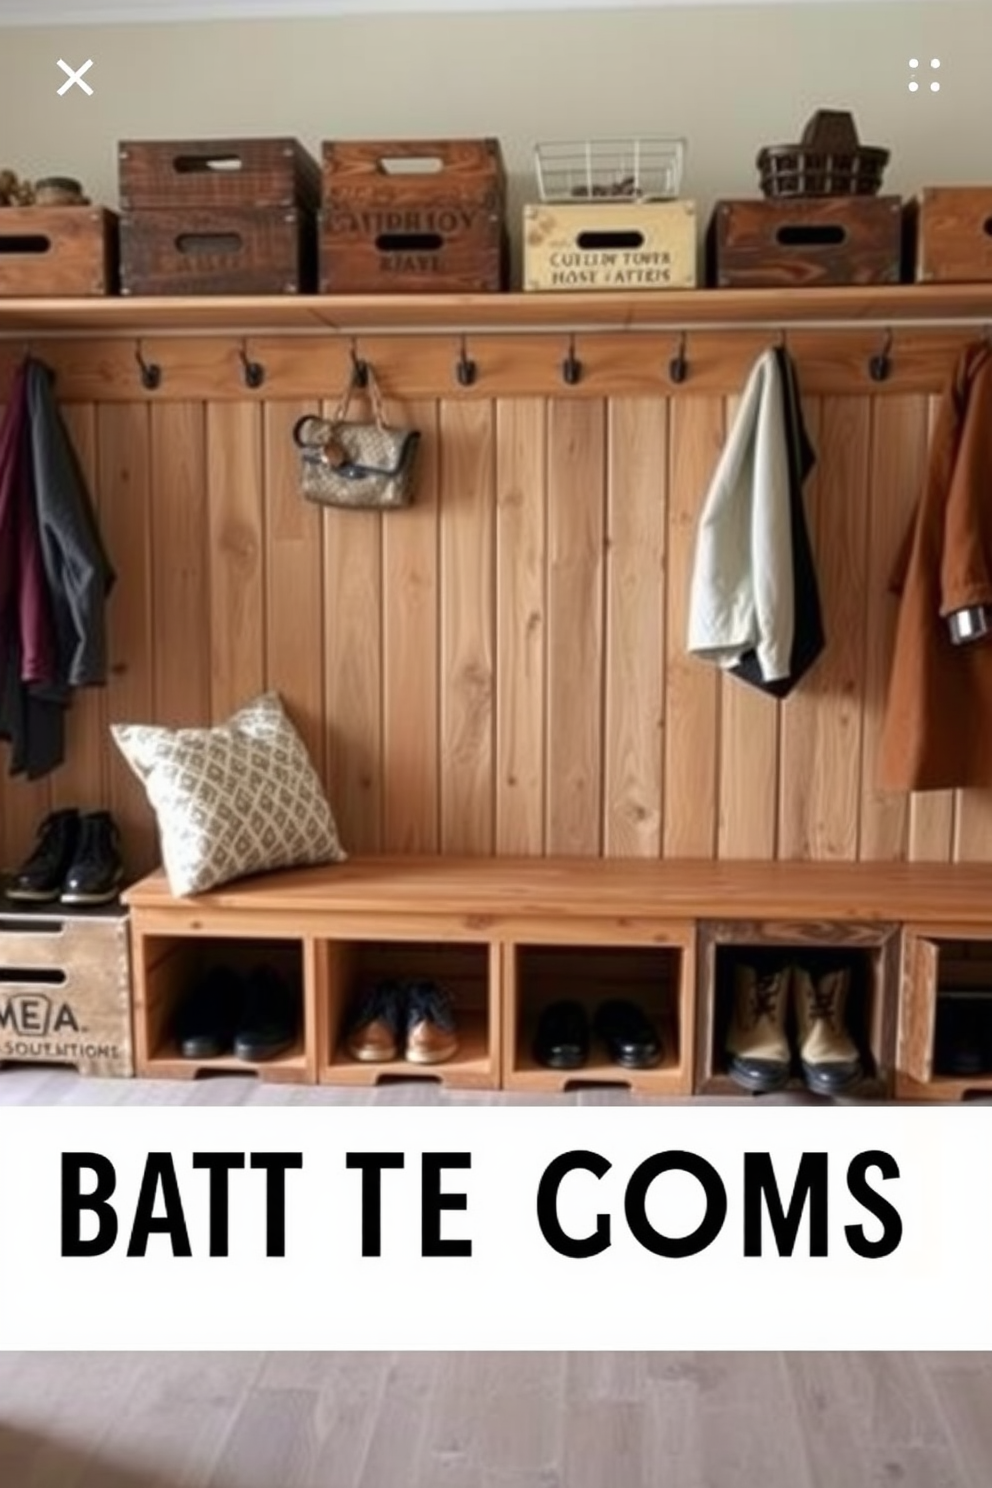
(609, 170)
(829, 161)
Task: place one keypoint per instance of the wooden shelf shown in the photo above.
(245, 315)
(168, 1064)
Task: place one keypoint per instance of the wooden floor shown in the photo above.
(496, 1420)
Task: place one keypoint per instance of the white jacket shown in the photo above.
(742, 591)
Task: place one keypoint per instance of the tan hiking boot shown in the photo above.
(830, 1059)
(759, 1057)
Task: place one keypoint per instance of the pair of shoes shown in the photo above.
(415, 1015)
(758, 1045)
(255, 1018)
(564, 1035)
(76, 858)
(963, 1034)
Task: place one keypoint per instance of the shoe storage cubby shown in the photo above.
(171, 966)
(655, 978)
(945, 1032)
(467, 972)
(868, 954)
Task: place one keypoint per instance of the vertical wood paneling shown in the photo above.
(237, 593)
(635, 626)
(82, 780)
(748, 816)
(410, 601)
(521, 565)
(124, 480)
(180, 562)
(799, 712)
(468, 639)
(294, 582)
(692, 686)
(576, 532)
(898, 449)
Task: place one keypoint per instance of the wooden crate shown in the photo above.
(216, 174)
(235, 251)
(872, 950)
(57, 251)
(936, 958)
(65, 988)
(389, 228)
(951, 231)
(604, 246)
(805, 242)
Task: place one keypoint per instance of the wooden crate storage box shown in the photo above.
(951, 230)
(222, 251)
(388, 226)
(940, 961)
(806, 242)
(57, 251)
(65, 988)
(604, 246)
(215, 174)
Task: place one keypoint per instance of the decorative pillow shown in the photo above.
(232, 800)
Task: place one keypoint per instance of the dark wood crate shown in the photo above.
(805, 242)
(57, 251)
(390, 226)
(951, 234)
(257, 173)
(230, 252)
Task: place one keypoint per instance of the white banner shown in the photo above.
(490, 1228)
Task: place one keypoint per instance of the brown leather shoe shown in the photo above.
(430, 1024)
(374, 1026)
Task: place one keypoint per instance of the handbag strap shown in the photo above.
(340, 414)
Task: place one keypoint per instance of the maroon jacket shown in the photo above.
(26, 629)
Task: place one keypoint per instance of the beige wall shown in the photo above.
(729, 79)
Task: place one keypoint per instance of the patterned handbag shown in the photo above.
(359, 465)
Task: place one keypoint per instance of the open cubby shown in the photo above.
(174, 964)
(945, 1036)
(651, 976)
(869, 952)
(468, 972)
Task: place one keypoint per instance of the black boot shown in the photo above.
(40, 877)
(95, 874)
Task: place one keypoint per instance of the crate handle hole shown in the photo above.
(26, 243)
(987, 227)
(610, 240)
(409, 242)
(186, 165)
(812, 235)
(33, 927)
(223, 243)
(33, 976)
(410, 165)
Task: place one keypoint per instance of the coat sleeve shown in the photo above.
(966, 557)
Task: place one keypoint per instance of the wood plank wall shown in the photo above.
(502, 669)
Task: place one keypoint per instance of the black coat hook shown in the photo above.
(359, 368)
(465, 369)
(678, 367)
(151, 372)
(880, 366)
(253, 372)
(571, 367)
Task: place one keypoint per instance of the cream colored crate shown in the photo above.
(65, 989)
(610, 246)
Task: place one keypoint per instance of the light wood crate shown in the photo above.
(65, 989)
(610, 246)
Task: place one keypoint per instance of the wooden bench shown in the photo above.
(507, 936)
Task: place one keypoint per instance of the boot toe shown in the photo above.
(758, 1075)
(834, 1077)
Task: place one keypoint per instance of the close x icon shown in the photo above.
(75, 78)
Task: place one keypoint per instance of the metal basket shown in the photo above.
(621, 170)
(830, 160)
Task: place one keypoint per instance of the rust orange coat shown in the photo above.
(938, 722)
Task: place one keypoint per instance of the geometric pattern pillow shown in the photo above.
(238, 798)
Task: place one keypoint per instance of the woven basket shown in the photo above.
(830, 161)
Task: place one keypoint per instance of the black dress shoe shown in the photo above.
(630, 1037)
(269, 1019)
(96, 872)
(206, 1017)
(40, 877)
(562, 1040)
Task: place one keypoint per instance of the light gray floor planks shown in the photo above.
(428, 1420)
